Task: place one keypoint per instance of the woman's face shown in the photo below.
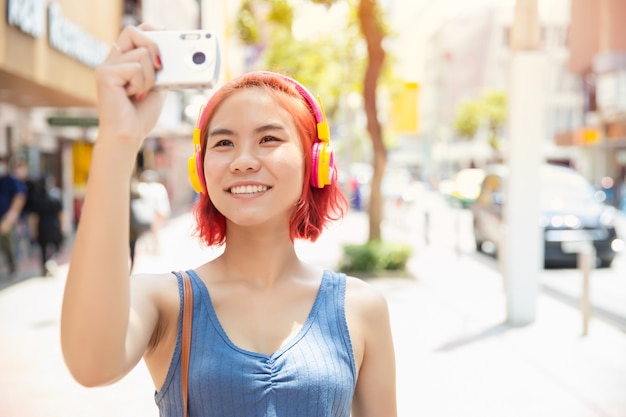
(253, 162)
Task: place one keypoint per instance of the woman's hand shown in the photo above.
(127, 107)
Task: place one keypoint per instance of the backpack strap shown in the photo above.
(186, 335)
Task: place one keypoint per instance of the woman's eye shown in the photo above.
(266, 139)
(223, 142)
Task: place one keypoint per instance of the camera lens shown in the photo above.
(198, 58)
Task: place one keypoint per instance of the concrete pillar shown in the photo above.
(522, 245)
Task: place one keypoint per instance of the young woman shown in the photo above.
(271, 336)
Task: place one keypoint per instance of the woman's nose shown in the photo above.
(245, 160)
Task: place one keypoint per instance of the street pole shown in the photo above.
(586, 258)
(522, 244)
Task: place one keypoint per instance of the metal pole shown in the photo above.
(586, 260)
(522, 242)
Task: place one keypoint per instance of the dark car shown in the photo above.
(569, 212)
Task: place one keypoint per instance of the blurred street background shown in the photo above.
(456, 354)
(489, 136)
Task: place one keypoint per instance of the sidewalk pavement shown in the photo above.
(456, 356)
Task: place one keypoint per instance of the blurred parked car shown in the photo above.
(569, 212)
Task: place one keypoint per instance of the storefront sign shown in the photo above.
(73, 121)
(72, 40)
(63, 34)
(28, 15)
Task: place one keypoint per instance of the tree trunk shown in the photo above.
(373, 33)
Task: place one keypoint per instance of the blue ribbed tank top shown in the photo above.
(313, 375)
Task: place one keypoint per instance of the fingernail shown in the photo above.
(141, 96)
(158, 61)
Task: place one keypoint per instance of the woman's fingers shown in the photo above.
(133, 37)
(133, 73)
(150, 26)
(114, 51)
(141, 76)
(135, 69)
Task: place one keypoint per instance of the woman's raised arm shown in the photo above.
(105, 331)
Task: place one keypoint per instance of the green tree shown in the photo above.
(494, 114)
(489, 111)
(468, 119)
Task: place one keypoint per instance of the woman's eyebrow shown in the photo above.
(220, 131)
(227, 132)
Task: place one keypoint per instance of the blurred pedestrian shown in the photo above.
(47, 210)
(270, 335)
(154, 193)
(24, 228)
(12, 200)
(355, 191)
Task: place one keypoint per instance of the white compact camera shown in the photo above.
(190, 58)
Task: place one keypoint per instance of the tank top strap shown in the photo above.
(337, 303)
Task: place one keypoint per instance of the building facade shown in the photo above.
(597, 43)
(48, 53)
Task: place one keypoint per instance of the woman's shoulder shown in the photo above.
(355, 287)
(364, 297)
(155, 279)
(160, 288)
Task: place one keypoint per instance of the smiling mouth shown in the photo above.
(249, 189)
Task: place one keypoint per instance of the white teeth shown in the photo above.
(248, 189)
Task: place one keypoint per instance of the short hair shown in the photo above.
(317, 207)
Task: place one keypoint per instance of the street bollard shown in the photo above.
(586, 258)
(586, 261)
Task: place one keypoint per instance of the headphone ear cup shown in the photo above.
(200, 172)
(323, 165)
(194, 178)
(315, 150)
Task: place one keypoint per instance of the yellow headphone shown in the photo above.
(194, 163)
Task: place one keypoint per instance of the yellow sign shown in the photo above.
(82, 161)
(404, 117)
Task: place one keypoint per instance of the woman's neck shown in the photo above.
(261, 259)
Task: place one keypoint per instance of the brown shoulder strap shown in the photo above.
(186, 334)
